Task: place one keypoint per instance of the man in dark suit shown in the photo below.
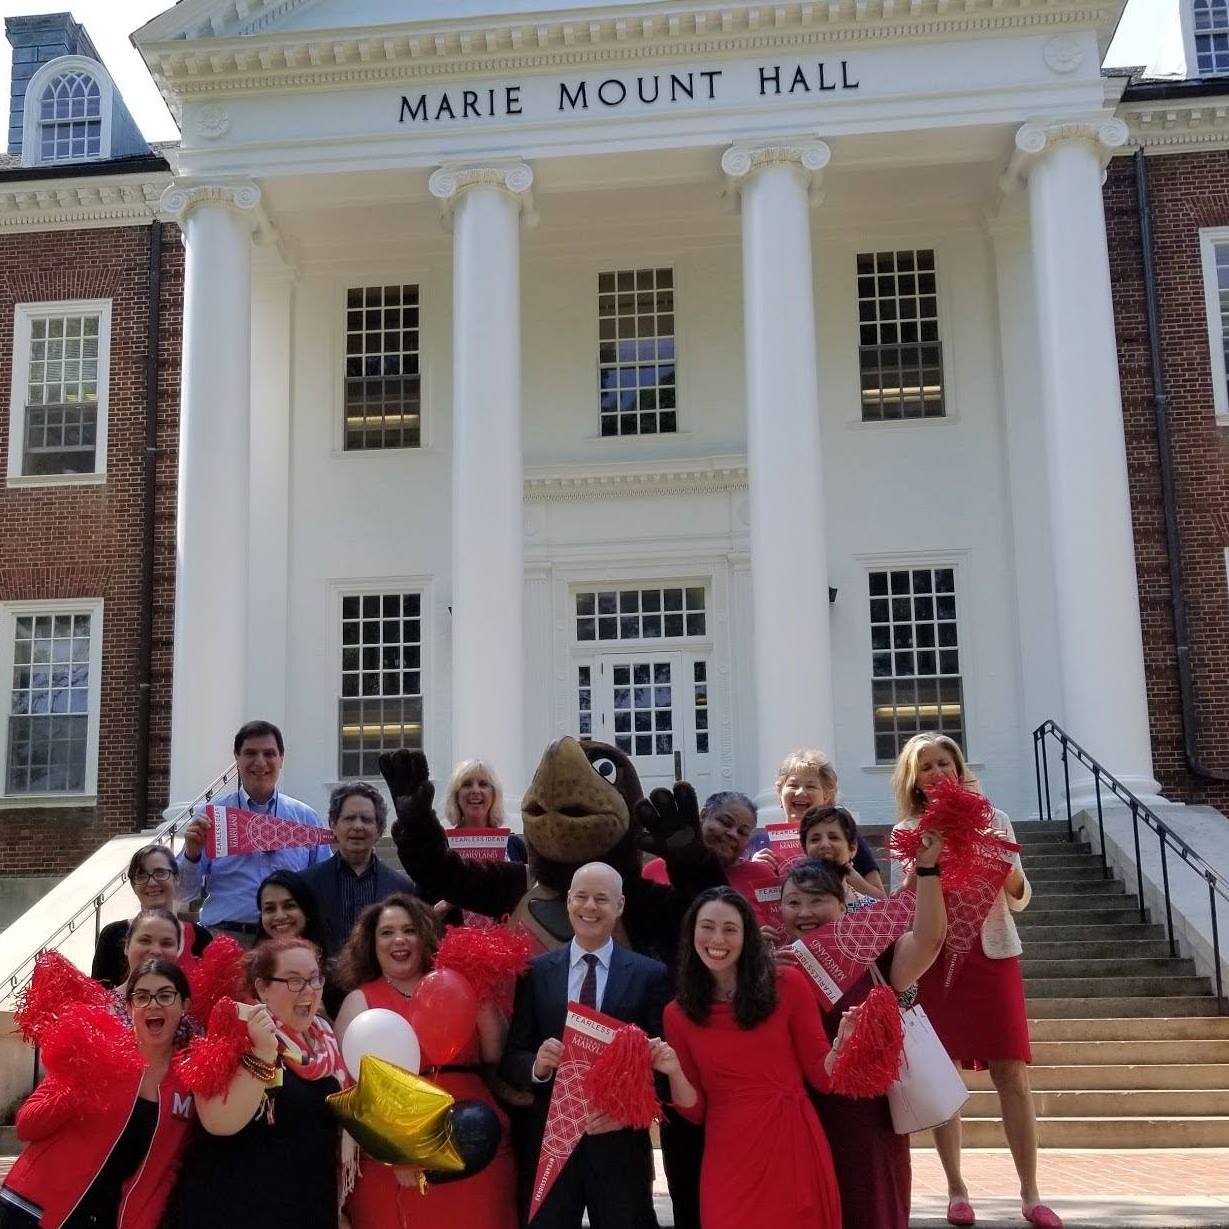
(353, 877)
(611, 1171)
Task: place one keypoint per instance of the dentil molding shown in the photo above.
(1104, 135)
(571, 484)
(239, 49)
(1177, 126)
(81, 205)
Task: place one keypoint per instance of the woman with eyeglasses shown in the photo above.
(154, 875)
(268, 1153)
(89, 1166)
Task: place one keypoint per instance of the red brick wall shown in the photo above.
(1188, 191)
(86, 541)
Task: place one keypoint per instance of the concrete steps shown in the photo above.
(1128, 1047)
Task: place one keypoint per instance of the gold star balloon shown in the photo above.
(398, 1117)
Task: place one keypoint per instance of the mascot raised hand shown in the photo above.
(585, 804)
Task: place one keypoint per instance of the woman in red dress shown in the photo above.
(389, 952)
(981, 1017)
(872, 1163)
(742, 1041)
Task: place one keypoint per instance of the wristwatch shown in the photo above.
(923, 871)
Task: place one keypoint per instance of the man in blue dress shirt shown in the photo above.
(230, 883)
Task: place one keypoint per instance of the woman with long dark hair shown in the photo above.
(288, 909)
(114, 1162)
(742, 1040)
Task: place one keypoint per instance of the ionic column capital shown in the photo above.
(808, 157)
(1103, 135)
(449, 183)
(180, 199)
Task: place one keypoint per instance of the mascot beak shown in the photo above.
(570, 812)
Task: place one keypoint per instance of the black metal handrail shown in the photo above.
(164, 834)
(1167, 838)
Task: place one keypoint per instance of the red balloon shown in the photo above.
(445, 1015)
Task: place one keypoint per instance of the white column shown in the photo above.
(1100, 643)
(210, 656)
(488, 575)
(789, 566)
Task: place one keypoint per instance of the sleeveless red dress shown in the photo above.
(488, 1199)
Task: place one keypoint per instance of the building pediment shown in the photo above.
(205, 46)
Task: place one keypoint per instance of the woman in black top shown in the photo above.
(154, 875)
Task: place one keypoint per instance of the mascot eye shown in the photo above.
(605, 768)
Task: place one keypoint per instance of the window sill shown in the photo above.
(46, 802)
(881, 424)
(351, 454)
(40, 480)
(1222, 420)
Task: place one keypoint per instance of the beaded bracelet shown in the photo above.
(265, 1072)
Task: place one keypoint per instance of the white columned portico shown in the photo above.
(1100, 642)
(213, 524)
(789, 567)
(485, 203)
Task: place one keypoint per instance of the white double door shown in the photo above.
(656, 708)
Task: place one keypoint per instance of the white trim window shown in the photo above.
(58, 399)
(1210, 37)
(1214, 250)
(381, 703)
(67, 113)
(661, 612)
(900, 356)
(637, 375)
(916, 682)
(51, 657)
(383, 377)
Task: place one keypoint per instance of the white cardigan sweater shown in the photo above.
(999, 937)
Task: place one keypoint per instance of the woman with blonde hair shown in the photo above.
(475, 799)
(807, 779)
(980, 1017)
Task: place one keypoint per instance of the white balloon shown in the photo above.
(382, 1034)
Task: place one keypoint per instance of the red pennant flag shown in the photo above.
(967, 908)
(586, 1033)
(836, 955)
(232, 831)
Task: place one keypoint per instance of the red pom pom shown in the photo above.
(868, 1062)
(216, 975)
(93, 1054)
(619, 1082)
(488, 957)
(208, 1064)
(966, 820)
(56, 985)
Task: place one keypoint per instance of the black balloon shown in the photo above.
(475, 1135)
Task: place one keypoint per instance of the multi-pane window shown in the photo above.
(899, 352)
(59, 391)
(383, 385)
(640, 614)
(380, 708)
(636, 371)
(70, 118)
(1211, 36)
(643, 708)
(584, 700)
(700, 699)
(49, 703)
(915, 657)
(1215, 249)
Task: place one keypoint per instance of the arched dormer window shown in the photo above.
(1208, 38)
(67, 113)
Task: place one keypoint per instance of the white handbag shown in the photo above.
(930, 1088)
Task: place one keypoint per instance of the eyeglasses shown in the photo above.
(161, 875)
(164, 997)
(296, 985)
